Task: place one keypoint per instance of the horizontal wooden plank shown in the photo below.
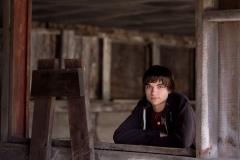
(119, 155)
(145, 149)
(222, 15)
(133, 148)
(44, 64)
(56, 83)
(16, 151)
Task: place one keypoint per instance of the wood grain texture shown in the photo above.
(156, 53)
(87, 47)
(145, 149)
(106, 83)
(170, 17)
(222, 15)
(41, 139)
(19, 75)
(228, 138)
(58, 83)
(118, 155)
(207, 80)
(229, 4)
(181, 63)
(5, 55)
(229, 141)
(81, 133)
(129, 63)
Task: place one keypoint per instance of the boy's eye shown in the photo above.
(147, 86)
(160, 86)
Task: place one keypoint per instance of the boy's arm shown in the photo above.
(183, 129)
(131, 132)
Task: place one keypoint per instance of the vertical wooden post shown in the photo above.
(156, 53)
(43, 115)
(207, 81)
(229, 54)
(5, 70)
(106, 86)
(20, 60)
(80, 123)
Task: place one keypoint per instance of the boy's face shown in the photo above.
(157, 94)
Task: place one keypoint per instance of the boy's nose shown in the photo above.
(154, 91)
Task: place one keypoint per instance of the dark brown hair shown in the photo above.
(159, 73)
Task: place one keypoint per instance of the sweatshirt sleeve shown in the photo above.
(131, 132)
(183, 132)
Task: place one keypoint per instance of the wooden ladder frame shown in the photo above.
(49, 82)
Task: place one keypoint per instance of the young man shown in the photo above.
(164, 117)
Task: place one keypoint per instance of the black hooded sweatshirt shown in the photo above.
(180, 125)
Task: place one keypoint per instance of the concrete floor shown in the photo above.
(104, 122)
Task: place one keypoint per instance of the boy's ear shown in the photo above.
(169, 91)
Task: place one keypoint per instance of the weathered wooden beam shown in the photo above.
(222, 15)
(5, 70)
(119, 155)
(145, 149)
(126, 148)
(228, 95)
(58, 83)
(15, 151)
(226, 4)
(41, 139)
(229, 40)
(106, 83)
(81, 133)
(156, 53)
(19, 69)
(207, 82)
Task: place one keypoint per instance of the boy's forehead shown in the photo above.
(157, 82)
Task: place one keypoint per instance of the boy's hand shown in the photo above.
(163, 134)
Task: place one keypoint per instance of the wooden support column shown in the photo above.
(227, 116)
(15, 68)
(80, 122)
(5, 70)
(106, 84)
(229, 62)
(207, 81)
(43, 115)
(156, 53)
(20, 66)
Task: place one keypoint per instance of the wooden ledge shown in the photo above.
(133, 148)
(145, 149)
(102, 150)
(222, 15)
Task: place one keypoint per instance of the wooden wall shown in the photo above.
(115, 67)
(66, 45)
(129, 63)
(181, 61)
